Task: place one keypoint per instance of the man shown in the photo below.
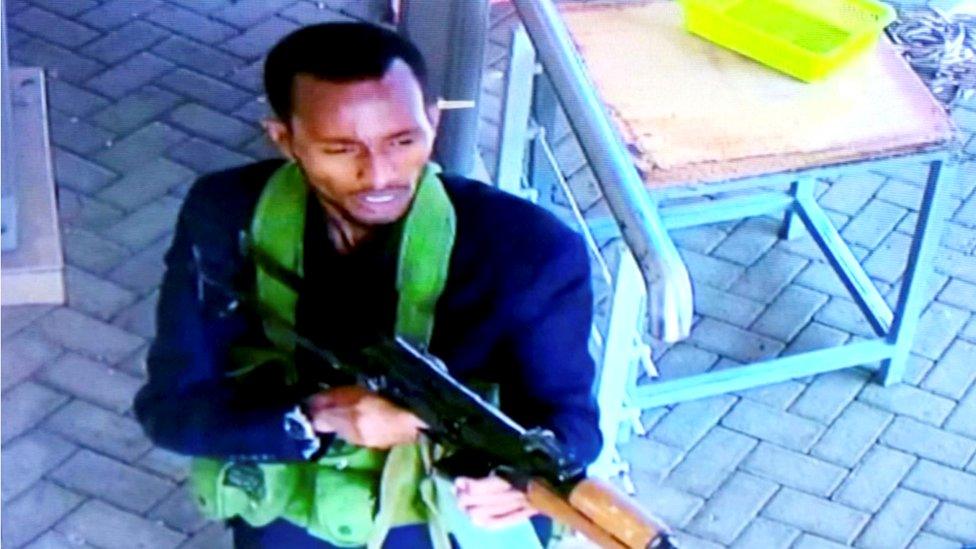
(352, 116)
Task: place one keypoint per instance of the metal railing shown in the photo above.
(528, 166)
(669, 307)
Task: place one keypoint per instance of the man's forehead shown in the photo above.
(364, 109)
(398, 82)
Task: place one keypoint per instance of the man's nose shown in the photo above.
(378, 170)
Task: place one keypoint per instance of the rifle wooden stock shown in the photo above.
(598, 511)
(615, 512)
(549, 503)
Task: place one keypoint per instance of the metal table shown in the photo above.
(672, 96)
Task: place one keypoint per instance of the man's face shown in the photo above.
(362, 145)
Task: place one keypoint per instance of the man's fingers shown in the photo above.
(318, 401)
(476, 486)
(492, 522)
(322, 425)
(336, 397)
(347, 395)
(337, 420)
(510, 497)
(491, 502)
(496, 508)
(361, 417)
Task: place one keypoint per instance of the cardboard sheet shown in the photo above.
(697, 112)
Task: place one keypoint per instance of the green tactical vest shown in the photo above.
(353, 495)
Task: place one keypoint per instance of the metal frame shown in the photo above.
(452, 35)
(8, 202)
(516, 112)
(644, 228)
(665, 276)
(528, 118)
(895, 329)
(620, 359)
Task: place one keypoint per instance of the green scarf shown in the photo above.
(349, 481)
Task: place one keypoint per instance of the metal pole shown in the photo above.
(8, 217)
(451, 34)
(668, 284)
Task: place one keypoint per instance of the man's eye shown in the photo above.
(337, 150)
(404, 142)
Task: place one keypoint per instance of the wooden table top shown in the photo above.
(697, 112)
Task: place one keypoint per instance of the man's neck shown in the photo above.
(344, 233)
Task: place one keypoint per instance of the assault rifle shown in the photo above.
(486, 440)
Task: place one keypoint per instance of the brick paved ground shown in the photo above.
(146, 95)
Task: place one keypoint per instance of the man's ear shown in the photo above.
(434, 116)
(279, 134)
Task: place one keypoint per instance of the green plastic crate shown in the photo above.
(807, 39)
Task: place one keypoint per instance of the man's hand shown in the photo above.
(491, 502)
(361, 417)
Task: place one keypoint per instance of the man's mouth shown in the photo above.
(384, 202)
(380, 197)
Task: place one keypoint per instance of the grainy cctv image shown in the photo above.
(488, 274)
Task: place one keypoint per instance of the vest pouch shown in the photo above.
(281, 482)
(300, 507)
(205, 481)
(344, 505)
(257, 492)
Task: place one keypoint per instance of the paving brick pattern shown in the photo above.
(145, 95)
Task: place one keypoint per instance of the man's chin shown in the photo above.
(374, 221)
(371, 217)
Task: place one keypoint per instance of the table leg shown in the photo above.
(792, 226)
(928, 232)
(516, 110)
(620, 359)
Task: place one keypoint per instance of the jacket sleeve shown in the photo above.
(549, 343)
(189, 405)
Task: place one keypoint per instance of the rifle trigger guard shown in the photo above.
(541, 440)
(376, 384)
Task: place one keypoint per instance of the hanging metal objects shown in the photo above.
(941, 48)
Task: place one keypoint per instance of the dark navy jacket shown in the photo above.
(516, 310)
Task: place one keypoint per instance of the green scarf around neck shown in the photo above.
(336, 498)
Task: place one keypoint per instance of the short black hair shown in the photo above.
(336, 52)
